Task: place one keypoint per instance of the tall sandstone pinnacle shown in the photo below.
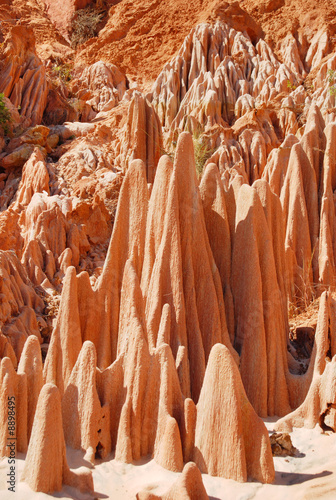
(31, 365)
(46, 467)
(260, 336)
(230, 440)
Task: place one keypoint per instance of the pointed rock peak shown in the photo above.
(45, 459)
(169, 379)
(31, 365)
(158, 208)
(159, 195)
(218, 229)
(31, 357)
(298, 157)
(46, 468)
(164, 329)
(247, 199)
(87, 359)
(13, 385)
(190, 484)
(184, 166)
(315, 120)
(233, 455)
(136, 171)
(69, 295)
(129, 228)
(164, 170)
(209, 184)
(169, 454)
(144, 133)
(264, 191)
(6, 368)
(81, 407)
(66, 339)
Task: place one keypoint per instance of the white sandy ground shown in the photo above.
(309, 476)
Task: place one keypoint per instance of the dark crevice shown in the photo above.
(99, 450)
(328, 353)
(323, 416)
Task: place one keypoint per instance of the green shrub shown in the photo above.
(85, 24)
(5, 116)
(291, 86)
(62, 71)
(332, 81)
(202, 152)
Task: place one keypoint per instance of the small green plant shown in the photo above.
(63, 72)
(5, 116)
(290, 85)
(332, 81)
(85, 24)
(202, 152)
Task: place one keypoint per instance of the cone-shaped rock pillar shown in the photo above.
(31, 365)
(46, 467)
(231, 441)
(66, 339)
(260, 335)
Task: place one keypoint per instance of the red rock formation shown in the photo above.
(327, 234)
(128, 234)
(13, 388)
(169, 345)
(46, 467)
(242, 449)
(260, 312)
(23, 77)
(21, 306)
(101, 85)
(81, 409)
(66, 339)
(31, 365)
(318, 406)
(144, 134)
(216, 219)
(62, 15)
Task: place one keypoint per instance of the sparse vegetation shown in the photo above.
(5, 116)
(85, 24)
(202, 152)
(62, 71)
(332, 81)
(291, 86)
(306, 292)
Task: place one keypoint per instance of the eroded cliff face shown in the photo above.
(158, 240)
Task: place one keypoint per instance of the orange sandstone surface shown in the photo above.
(167, 236)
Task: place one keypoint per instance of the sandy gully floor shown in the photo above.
(308, 476)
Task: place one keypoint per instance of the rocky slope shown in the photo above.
(164, 219)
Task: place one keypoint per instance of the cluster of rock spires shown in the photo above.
(173, 342)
